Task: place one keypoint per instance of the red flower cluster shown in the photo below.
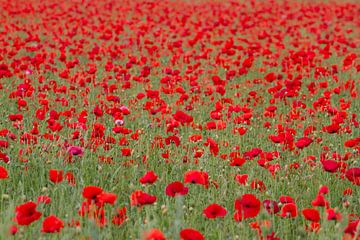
(93, 207)
(174, 106)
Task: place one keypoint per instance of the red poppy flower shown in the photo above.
(26, 213)
(303, 142)
(214, 211)
(323, 190)
(333, 215)
(56, 176)
(253, 153)
(277, 139)
(152, 93)
(4, 132)
(140, 198)
(311, 214)
(195, 138)
(153, 234)
(348, 191)
(272, 237)
(150, 177)
(271, 207)
(247, 206)
(120, 216)
(44, 199)
(98, 111)
(191, 234)
(172, 139)
(4, 144)
(210, 126)
(330, 165)
(75, 151)
(333, 128)
(289, 210)
(349, 60)
(13, 229)
(197, 177)
(319, 201)
(70, 178)
(286, 199)
(126, 152)
(52, 224)
(214, 147)
(242, 179)
(93, 211)
(352, 142)
(15, 117)
(105, 197)
(98, 130)
(313, 227)
(353, 175)
(4, 157)
(238, 162)
(3, 173)
(352, 227)
(182, 117)
(91, 192)
(175, 189)
(258, 184)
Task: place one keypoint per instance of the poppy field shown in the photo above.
(179, 119)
